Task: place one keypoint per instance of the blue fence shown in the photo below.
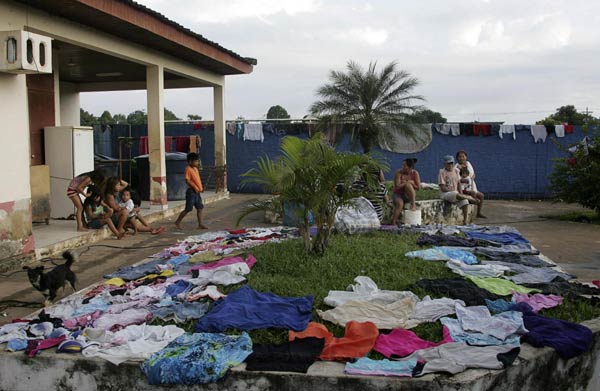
(505, 167)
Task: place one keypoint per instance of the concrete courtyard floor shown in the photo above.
(574, 246)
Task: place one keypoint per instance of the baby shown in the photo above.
(466, 185)
(136, 221)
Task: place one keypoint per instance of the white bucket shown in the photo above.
(411, 217)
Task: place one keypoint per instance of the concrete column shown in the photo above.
(156, 135)
(220, 140)
(69, 105)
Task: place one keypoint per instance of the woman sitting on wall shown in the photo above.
(406, 183)
(462, 162)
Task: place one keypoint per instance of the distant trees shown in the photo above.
(137, 117)
(430, 116)
(277, 112)
(569, 114)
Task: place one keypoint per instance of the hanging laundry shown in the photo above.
(195, 143)
(182, 144)
(484, 129)
(143, 145)
(358, 340)
(559, 130)
(197, 358)
(440, 128)
(569, 129)
(507, 129)
(401, 343)
(197, 125)
(230, 127)
(168, 143)
(254, 132)
(239, 130)
(453, 129)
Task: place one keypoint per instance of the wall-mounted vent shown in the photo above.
(25, 52)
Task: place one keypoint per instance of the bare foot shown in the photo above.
(202, 226)
(158, 231)
(413, 207)
(82, 229)
(178, 226)
(120, 235)
(481, 216)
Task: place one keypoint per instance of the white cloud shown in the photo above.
(368, 35)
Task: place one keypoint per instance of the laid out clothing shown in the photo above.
(192, 177)
(197, 358)
(358, 340)
(498, 306)
(538, 301)
(507, 249)
(250, 261)
(430, 310)
(444, 254)
(564, 288)
(501, 326)
(254, 132)
(401, 343)
(446, 240)
(294, 356)
(180, 312)
(539, 133)
(502, 238)
(499, 286)
(567, 338)
(247, 309)
(476, 270)
(457, 357)
(507, 130)
(521, 259)
(368, 367)
(35, 346)
(457, 288)
(532, 275)
(475, 338)
(365, 289)
(559, 130)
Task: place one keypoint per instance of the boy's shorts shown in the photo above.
(192, 200)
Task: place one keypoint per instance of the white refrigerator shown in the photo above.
(69, 152)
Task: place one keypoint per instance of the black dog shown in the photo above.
(49, 283)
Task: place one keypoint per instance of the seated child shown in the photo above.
(466, 185)
(97, 213)
(135, 220)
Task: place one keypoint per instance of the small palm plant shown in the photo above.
(314, 178)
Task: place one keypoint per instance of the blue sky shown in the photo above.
(508, 60)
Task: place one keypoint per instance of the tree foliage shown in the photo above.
(568, 114)
(575, 179)
(277, 112)
(308, 176)
(194, 117)
(430, 116)
(137, 117)
(369, 99)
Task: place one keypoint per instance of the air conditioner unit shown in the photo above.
(25, 52)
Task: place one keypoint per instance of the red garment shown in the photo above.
(143, 149)
(568, 128)
(358, 339)
(35, 345)
(485, 129)
(168, 143)
(596, 282)
(182, 144)
(237, 231)
(197, 125)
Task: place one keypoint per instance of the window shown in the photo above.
(42, 54)
(11, 50)
(30, 51)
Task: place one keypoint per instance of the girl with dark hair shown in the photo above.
(76, 187)
(406, 183)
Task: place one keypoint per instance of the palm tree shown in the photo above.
(309, 175)
(375, 102)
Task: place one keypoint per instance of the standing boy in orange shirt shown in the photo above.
(193, 199)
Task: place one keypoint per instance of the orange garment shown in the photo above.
(358, 340)
(192, 178)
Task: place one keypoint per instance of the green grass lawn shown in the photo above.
(422, 195)
(284, 269)
(587, 217)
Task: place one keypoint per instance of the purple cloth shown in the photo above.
(401, 343)
(567, 338)
(250, 261)
(247, 309)
(537, 301)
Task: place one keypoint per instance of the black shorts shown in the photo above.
(193, 200)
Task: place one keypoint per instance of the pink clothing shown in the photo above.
(250, 261)
(401, 342)
(83, 320)
(537, 301)
(412, 176)
(35, 345)
(449, 178)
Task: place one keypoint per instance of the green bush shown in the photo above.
(576, 179)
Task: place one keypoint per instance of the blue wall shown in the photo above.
(504, 167)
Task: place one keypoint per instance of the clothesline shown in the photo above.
(538, 132)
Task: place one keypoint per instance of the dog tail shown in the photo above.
(70, 257)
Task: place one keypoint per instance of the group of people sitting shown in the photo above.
(456, 181)
(108, 201)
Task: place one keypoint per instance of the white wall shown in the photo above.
(14, 138)
(69, 105)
